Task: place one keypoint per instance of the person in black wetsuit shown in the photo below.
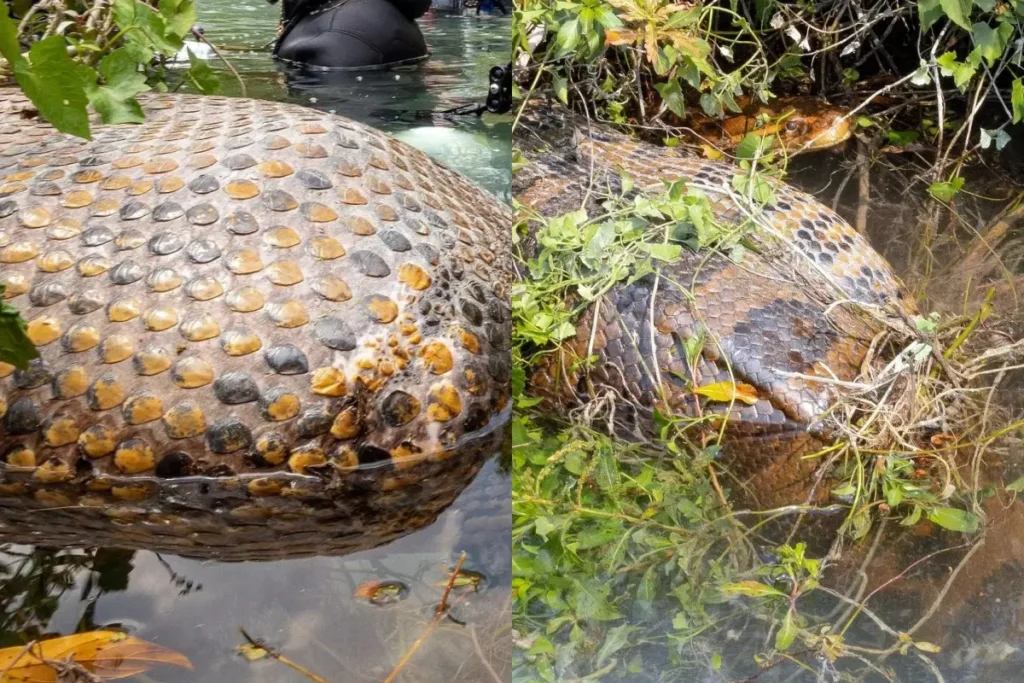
(352, 34)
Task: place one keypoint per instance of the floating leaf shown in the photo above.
(108, 654)
(381, 593)
(754, 589)
(252, 653)
(727, 392)
(925, 646)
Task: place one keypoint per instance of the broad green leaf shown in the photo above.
(663, 252)
(991, 42)
(617, 638)
(568, 36)
(592, 601)
(202, 76)
(543, 527)
(1016, 486)
(958, 12)
(1017, 100)
(145, 29)
(945, 191)
(179, 16)
(787, 632)
(15, 346)
(57, 85)
(751, 146)
(672, 95)
(954, 519)
(115, 99)
(929, 11)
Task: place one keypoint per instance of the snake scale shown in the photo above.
(776, 320)
(265, 331)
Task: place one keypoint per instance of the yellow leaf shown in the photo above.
(711, 153)
(651, 44)
(108, 654)
(925, 646)
(727, 392)
(619, 36)
(252, 652)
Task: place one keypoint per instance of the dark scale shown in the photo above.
(287, 359)
(228, 435)
(236, 387)
(204, 184)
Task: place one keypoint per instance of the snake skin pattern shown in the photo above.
(265, 330)
(792, 307)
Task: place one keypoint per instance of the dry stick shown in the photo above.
(863, 185)
(439, 613)
(483, 658)
(274, 654)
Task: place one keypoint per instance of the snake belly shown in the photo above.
(265, 331)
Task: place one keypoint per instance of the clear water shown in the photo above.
(305, 608)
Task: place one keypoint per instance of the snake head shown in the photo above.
(806, 125)
(798, 124)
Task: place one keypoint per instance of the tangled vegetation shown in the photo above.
(631, 561)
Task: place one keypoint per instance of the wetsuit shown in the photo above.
(352, 34)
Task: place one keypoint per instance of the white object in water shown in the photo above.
(200, 50)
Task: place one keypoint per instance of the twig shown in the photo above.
(483, 658)
(222, 58)
(274, 654)
(439, 614)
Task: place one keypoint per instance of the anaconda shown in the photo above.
(265, 331)
(785, 315)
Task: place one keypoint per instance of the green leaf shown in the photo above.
(954, 519)
(991, 41)
(179, 16)
(750, 146)
(568, 36)
(903, 138)
(672, 95)
(958, 12)
(1016, 486)
(617, 638)
(945, 191)
(115, 99)
(1017, 100)
(662, 252)
(561, 87)
(543, 527)
(929, 12)
(57, 85)
(9, 47)
(716, 662)
(202, 76)
(15, 346)
(592, 601)
(787, 632)
(146, 31)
